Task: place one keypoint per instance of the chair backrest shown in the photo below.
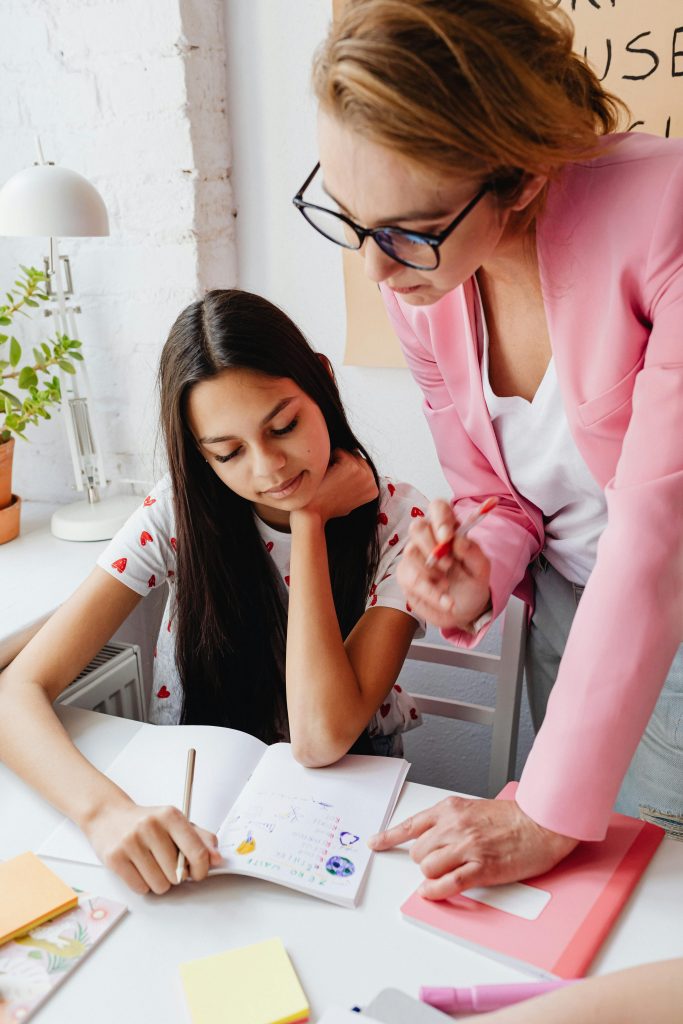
(508, 669)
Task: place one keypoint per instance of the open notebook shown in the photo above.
(305, 828)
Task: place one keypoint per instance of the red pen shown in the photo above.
(444, 547)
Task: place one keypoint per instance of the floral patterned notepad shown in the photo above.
(35, 964)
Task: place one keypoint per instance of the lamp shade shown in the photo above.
(51, 201)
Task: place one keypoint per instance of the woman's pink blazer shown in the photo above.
(610, 251)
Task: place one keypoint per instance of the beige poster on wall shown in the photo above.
(636, 49)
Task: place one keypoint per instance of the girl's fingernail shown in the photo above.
(444, 532)
(446, 602)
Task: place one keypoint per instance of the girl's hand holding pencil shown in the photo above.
(141, 844)
(444, 574)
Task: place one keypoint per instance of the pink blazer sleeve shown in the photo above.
(508, 536)
(630, 620)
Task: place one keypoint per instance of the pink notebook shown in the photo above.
(554, 924)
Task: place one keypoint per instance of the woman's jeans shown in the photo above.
(653, 786)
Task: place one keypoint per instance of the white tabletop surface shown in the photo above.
(342, 957)
(37, 573)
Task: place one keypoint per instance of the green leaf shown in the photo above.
(10, 400)
(5, 320)
(76, 355)
(31, 302)
(46, 350)
(14, 352)
(3, 338)
(27, 378)
(65, 365)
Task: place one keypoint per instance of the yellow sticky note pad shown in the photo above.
(253, 985)
(29, 895)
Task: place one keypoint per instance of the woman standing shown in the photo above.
(531, 261)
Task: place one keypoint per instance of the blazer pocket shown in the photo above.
(615, 400)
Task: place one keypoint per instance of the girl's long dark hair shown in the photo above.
(230, 614)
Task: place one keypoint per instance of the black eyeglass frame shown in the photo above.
(434, 241)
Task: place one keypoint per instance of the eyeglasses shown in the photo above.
(411, 248)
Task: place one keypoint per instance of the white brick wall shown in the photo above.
(133, 96)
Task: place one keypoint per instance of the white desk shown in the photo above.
(37, 573)
(342, 956)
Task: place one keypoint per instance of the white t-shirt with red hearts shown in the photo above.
(142, 555)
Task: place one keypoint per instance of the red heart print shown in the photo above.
(413, 714)
(416, 512)
(269, 546)
(383, 518)
(169, 625)
(384, 710)
(393, 540)
(174, 543)
(170, 573)
(163, 693)
(408, 608)
(398, 688)
(145, 537)
(120, 564)
(152, 581)
(148, 501)
(391, 489)
(373, 600)
(287, 580)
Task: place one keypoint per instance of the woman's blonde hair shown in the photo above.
(485, 88)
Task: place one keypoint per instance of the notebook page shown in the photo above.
(151, 769)
(307, 828)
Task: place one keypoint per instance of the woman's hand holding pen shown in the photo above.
(454, 591)
(141, 844)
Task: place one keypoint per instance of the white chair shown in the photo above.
(507, 667)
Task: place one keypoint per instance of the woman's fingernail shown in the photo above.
(446, 602)
(444, 532)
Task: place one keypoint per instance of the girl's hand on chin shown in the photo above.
(347, 484)
(455, 591)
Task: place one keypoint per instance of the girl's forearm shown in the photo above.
(35, 746)
(651, 992)
(320, 678)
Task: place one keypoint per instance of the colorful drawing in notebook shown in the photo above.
(32, 966)
(253, 985)
(247, 845)
(30, 893)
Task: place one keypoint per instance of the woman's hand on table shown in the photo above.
(461, 843)
(141, 845)
(455, 591)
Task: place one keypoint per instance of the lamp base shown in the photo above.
(99, 521)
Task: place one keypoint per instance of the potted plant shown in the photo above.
(29, 388)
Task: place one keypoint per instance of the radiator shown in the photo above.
(111, 683)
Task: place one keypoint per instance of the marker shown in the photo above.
(482, 998)
(476, 517)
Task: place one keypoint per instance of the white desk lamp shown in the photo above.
(56, 202)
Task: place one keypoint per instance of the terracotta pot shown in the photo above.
(9, 520)
(6, 455)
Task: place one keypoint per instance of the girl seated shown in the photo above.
(279, 543)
